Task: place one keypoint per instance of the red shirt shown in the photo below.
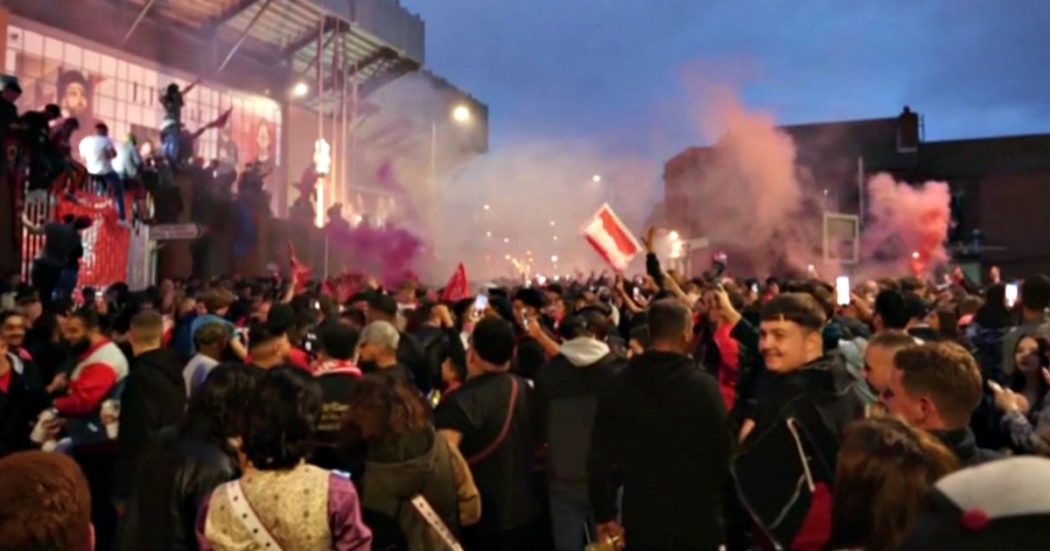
(729, 367)
(5, 380)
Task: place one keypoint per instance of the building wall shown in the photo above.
(1013, 213)
(98, 84)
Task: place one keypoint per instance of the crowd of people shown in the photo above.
(659, 413)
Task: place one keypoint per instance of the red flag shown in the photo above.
(222, 120)
(611, 238)
(300, 271)
(457, 287)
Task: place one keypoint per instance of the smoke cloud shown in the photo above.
(523, 206)
(906, 225)
(750, 196)
(747, 195)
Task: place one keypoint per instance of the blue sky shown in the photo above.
(620, 73)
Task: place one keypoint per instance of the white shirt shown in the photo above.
(127, 161)
(196, 371)
(93, 150)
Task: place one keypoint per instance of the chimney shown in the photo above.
(907, 131)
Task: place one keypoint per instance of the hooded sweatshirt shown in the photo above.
(154, 397)
(568, 387)
(661, 428)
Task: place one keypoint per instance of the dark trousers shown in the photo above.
(45, 278)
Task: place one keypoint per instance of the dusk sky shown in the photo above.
(622, 73)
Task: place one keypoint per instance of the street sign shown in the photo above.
(169, 232)
(841, 238)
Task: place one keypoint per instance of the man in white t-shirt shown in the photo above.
(98, 153)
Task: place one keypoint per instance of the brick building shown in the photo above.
(1000, 186)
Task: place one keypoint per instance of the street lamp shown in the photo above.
(461, 113)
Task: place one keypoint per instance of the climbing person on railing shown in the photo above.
(60, 152)
(98, 153)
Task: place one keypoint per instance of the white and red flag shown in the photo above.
(611, 238)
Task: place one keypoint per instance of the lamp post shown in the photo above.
(460, 115)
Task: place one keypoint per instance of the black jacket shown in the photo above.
(336, 389)
(567, 392)
(661, 428)
(19, 408)
(176, 473)
(964, 445)
(410, 354)
(154, 397)
(807, 409)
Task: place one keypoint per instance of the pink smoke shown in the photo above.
(746, 194)
(389, 253)
(904, 220)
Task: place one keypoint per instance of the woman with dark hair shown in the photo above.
(281, 502)
(985, 339)
(885, 469)
(405, 458)
(1025, 408)
(187, 462)
(985, 335)
(945, 320)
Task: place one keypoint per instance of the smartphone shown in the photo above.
(637, 294)
(1012, 293)
(842, 291)
(481, 303)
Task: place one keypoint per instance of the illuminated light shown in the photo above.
(506, 257)
(528, 253)
(461, 114)
(541, 279)
(555, 237)
(673, 235)
(300, 89)
(552, 223)
(597, 178)
(486, 207)
(322, 157)
(915, 255)
(319, 208)
(554, 259)
(506, 240)
(488, 234)
(557, 277)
